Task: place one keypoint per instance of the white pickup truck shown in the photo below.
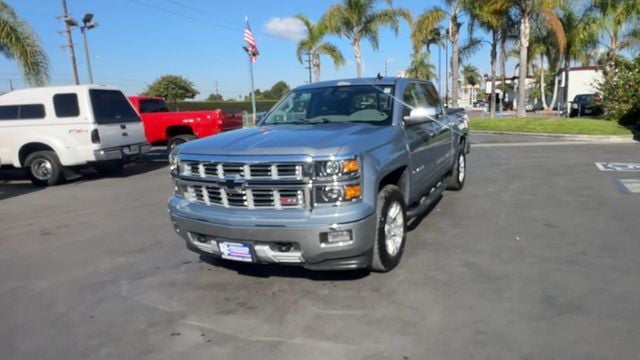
(50, 131)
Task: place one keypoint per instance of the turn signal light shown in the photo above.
(352, 192)
(350, 166)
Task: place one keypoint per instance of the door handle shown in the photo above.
(123, 126)
(125, 134)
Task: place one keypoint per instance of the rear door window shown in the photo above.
(32, 111)
(9, 112)
(66, 105)
(111, 107)
(153, 106)
(22, 112)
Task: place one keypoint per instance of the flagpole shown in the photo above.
(253, 92)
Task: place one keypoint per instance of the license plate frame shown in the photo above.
(236, 251)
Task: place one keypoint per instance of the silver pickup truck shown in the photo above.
(327, 180)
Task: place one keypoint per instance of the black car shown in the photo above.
(586, 104)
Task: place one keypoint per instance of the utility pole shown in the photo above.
(11, 84)
(70, 42)
(216, 83)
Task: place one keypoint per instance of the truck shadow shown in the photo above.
(14, 182)
(415, 222)
(284, 271)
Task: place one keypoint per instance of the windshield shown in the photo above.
(358, 103)
(110, 106)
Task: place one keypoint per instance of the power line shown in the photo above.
(188, 17)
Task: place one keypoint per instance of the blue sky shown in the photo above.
(140, 40)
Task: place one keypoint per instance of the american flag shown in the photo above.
(252, 47)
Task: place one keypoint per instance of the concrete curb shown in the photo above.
(593, 138)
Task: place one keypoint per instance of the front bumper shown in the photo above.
(302, 245)
(122, 152)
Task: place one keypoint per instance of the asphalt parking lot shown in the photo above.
(537, 258)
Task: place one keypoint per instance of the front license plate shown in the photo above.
(235, 251)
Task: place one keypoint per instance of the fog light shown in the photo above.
(339, 236)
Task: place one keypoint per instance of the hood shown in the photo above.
(312, 140)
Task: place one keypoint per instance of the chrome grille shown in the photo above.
(253, 185)
(246, 198)
(262, 171)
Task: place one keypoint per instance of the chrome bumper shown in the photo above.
(122, 152)
(299, 245)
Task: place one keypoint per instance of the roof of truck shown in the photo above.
(357, 81)
(34, 93)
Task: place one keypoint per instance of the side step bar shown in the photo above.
(428, 199)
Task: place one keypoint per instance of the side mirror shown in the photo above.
(421, 115)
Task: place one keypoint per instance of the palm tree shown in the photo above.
(313, 44)
(421, 68)
(525, 11)
(581, 36)
(357, 20)
(453, 12)
(19, 43)
(471, 77)
(619, 20)
(492, 17)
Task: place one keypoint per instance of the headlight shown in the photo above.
(174, 162)
(337, 168)
(335, 193)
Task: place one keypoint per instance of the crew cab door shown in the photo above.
(116, 120)
(419, 139)
(440, 134)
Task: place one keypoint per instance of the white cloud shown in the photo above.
(288, 28)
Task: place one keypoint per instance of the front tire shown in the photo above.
(391, 232)
(459, 173)
(44, 168)
(177, 140)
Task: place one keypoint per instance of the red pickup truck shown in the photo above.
(174, 128)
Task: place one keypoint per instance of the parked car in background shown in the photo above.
(50, 131)
(174, 128)
(586, 104)
(328, 179)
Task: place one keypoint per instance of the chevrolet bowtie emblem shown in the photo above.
(231, 182)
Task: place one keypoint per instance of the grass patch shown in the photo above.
(550, 125)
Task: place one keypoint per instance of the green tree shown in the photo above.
(277, 91)
(314, 43)
(358, 19)
(420, 67)
(619, 19)
(172, 87)
(471, 77)
(19, 43)
(494, 18)
(581, 32)
(525, 10)
(621, 94)
(215, 97)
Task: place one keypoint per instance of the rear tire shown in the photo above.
(459, 173)
(44, 168)
(391, 232)
(177, 140)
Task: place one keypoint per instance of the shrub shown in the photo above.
(621, 94)
(226, 106)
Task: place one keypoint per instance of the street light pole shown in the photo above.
(83, 30)
(88, 25)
